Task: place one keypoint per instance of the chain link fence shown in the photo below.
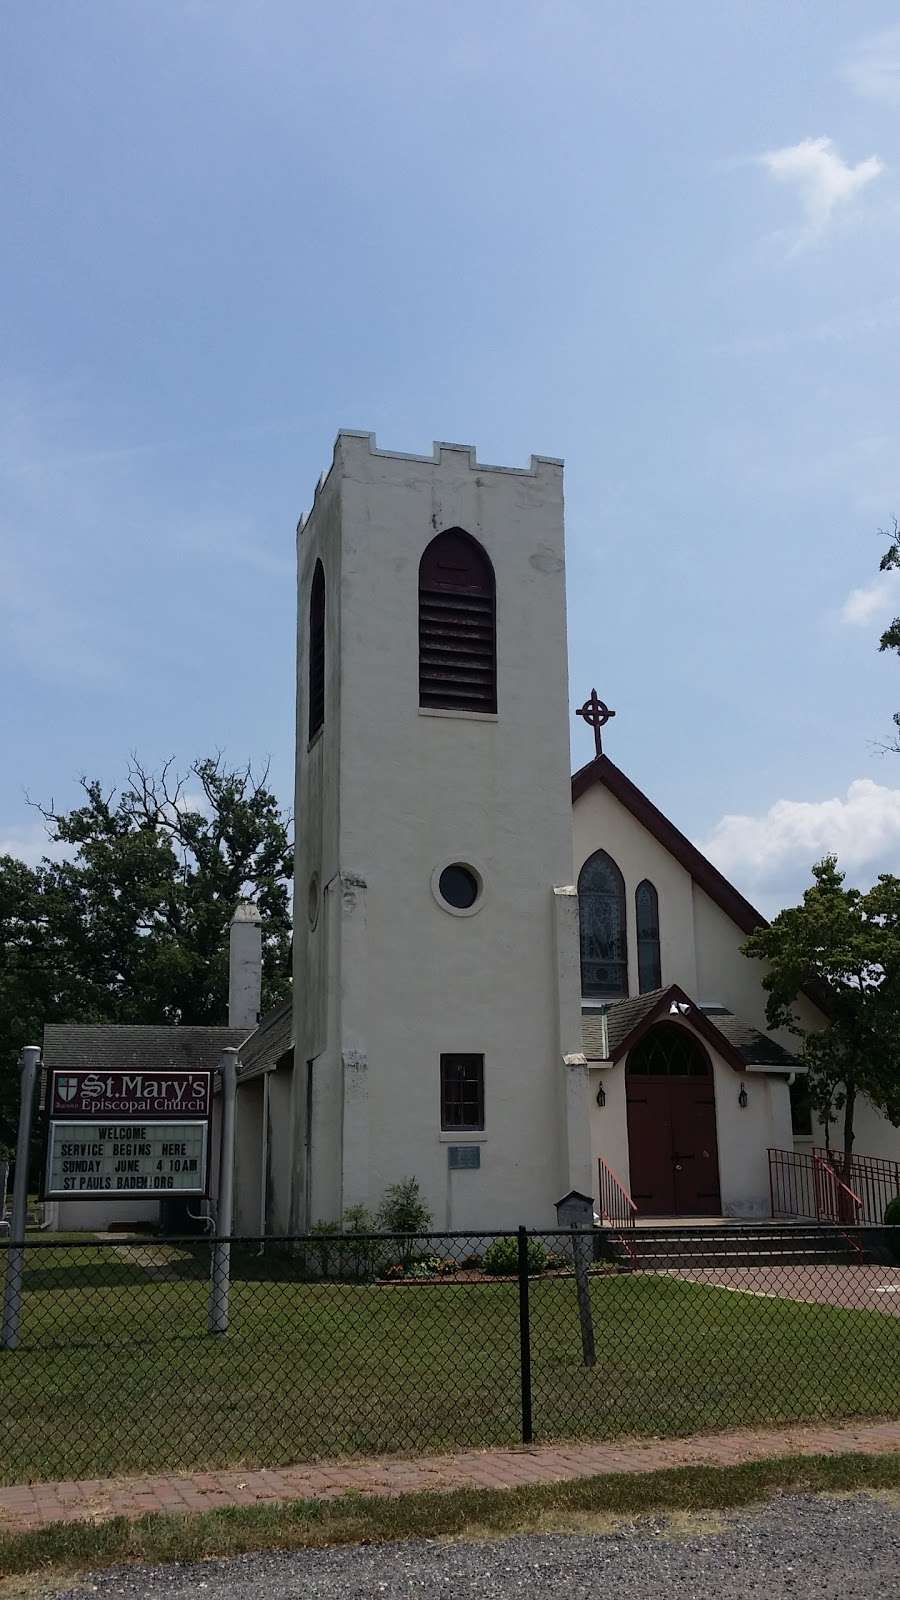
(367, 1344)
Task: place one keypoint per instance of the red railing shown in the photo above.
(616, 1204)
(875, 1180)
(802, 1184)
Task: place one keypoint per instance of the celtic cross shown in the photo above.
(596, 714)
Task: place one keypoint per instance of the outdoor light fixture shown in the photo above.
(679, 1008)
(601, 1096)
(742, 1098)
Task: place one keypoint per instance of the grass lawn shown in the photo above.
(116, 1373)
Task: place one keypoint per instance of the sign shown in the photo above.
(101, 1159)
(140, 1095)
(127, 1134)
(461, 1156)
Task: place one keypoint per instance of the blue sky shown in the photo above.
(657, 240)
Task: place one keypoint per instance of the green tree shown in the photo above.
(843, 944)
(131, 925)
(890, 639)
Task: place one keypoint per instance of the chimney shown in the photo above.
(244, 966)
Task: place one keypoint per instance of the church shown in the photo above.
(508, 981)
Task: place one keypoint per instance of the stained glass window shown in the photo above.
(646, 907)
(669, 1051)
(601, 910)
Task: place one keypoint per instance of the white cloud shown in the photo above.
(876, 599)
(29, 842)
(771, 855)
(824, 180)
(873, 68)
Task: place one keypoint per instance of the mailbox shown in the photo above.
(575, 1210)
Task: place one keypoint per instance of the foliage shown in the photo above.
(131, 926)
(843, 944)
(403, 1210)
(892, 1212)
(502, 1256)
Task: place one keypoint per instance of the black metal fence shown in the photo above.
(367, 1344)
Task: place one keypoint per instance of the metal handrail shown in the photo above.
(611, 1186)
(839, 1188)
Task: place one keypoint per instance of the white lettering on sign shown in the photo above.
(85, 1159)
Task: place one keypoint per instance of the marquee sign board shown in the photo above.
(129, 1134)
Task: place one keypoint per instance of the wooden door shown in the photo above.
(671, 1110)
(695, 1160)
(650, 1146)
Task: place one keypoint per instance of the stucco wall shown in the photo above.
(248, 1151)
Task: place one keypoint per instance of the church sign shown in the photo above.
(127, 1134)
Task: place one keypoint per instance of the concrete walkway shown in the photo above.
(95, 1499)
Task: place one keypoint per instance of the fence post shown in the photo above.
(525, 1337)
(15, 1260)
(220, 1275)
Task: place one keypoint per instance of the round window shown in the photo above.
(459, 886)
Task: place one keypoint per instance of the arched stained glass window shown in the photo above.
(457, 633)
(317, 650)
(646, 910)
(669, 1051)
(601, 911)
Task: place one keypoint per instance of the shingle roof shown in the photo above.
(140, 1048)
(272, 1039)
(607, 1033)
(756, 1049)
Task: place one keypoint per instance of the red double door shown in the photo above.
(672, 1146)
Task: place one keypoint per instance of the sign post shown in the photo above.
(15, 1260)
(220, 1273)
(576, 1211)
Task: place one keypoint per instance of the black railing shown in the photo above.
(364, 1344)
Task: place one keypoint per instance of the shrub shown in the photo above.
(404, 1211)
(892, 1212)
(323, 1252)
(502, 1256)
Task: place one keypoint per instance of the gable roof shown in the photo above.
(603, 771)
(610, 1032)
(141, 1048)
(272, 1039)
(729, 899)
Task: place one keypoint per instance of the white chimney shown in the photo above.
(244, 966)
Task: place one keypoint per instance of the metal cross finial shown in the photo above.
(596, 714)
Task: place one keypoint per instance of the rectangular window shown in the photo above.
(801, 1108)
(462, 1093)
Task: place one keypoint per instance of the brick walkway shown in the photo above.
(95, 1499)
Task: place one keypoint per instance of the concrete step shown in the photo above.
(645, 1249)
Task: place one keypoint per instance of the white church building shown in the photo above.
(508, 982)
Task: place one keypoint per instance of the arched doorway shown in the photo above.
(672, 1147)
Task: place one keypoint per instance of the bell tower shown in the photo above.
(436, 990)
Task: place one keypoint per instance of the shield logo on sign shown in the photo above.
(67, 1088)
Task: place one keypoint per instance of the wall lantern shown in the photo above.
(743, 1097)
(601, 1096)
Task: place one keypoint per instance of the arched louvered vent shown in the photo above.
(317, 650)
(457, 634)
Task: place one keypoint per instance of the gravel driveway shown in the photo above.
(803, 1546)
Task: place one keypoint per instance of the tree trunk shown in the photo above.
(849, 1106)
